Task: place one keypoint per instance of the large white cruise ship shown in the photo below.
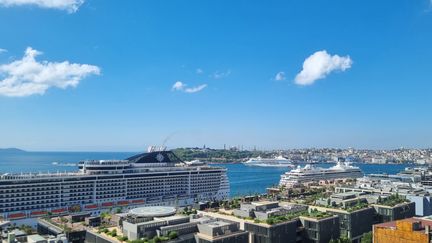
(278, 161)
(157, 177)
(312, 173)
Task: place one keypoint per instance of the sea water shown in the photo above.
(244, 180)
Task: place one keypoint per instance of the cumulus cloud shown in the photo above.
(2, 50)
(180, 86)
(70, 6)
(319, 65)
(28, 77)
(280, 76)
(219, 75)
(199, 71)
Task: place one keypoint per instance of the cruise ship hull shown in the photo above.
(96, 190)
(310, 173)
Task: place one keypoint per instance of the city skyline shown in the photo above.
(103, 76)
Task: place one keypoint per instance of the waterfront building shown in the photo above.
(319, 230)
(353, 222)
(283, 232)
(221, 231)
(59, 226)
(158, 177)
(18, 236)
(391, 212)
(148, 222)
(423, 204)
(265, 209)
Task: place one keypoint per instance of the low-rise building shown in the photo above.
(150, 228)
(319, 230)
(221, 231)
(353, 222)
(387, 213)
(18, 236)
(283, 232)
(265, 210)
(412, 230)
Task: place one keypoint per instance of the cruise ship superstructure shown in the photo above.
(311, 173)
(157, 177)
(278, 161)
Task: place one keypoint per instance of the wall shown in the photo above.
(402, 234)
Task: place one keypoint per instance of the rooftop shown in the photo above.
(216, 224)
(35, 238)
(154, 211)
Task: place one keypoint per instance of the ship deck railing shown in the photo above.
(38, 175)
(20, 176)
(104, 162)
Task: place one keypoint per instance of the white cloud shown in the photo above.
(28, 77)
(2, 50)
(199, 71)
(319, 65)
(195, 89)
(219, 75)
(70, 6)
(180, 86)
(280, 76)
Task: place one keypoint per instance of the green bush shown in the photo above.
(156, 239)
(172, 235)
(122, 238)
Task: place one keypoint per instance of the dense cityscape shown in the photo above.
(312, 155)
(200, 121)
(106, 201)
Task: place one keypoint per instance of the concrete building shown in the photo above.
(389, 213)
(18, 236)
(265, 210)
(221, 232)
(352, 223)
(284, 232)
(423, 204)
(319, 230)
(36, 239)
(410, 230)
(150, 228)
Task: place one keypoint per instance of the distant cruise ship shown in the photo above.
(312, 173)
(278, 161)
(157, 177)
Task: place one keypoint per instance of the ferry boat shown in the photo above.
(278, 161)
(311, 173)
(147, 179)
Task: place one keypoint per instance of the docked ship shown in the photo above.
(278, 161)
(157, 177)
(311, 173)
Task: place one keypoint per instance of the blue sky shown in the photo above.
(371, 87)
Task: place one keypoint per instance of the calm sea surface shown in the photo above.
(243, 179)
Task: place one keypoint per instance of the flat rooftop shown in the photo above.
(263, 203)
(35, 238)
(153, 211)
(216, 224)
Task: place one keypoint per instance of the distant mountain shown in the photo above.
(11, 150)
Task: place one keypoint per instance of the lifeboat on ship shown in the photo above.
(123, 203)
(19, 215)
(59, 210)
(38, 213)
(138, 201)
(107, 204)
(90, 206)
